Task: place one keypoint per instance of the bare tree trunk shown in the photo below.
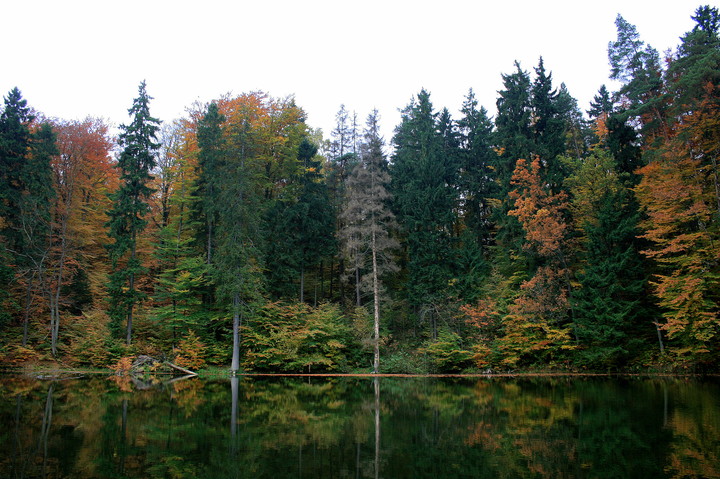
(659, 335)
(376, 307)
(236, 334)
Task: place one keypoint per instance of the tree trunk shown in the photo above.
(659, 335)
(236, 334)
(376, 307)
(131, 289)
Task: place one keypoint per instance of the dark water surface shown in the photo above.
(360, 427)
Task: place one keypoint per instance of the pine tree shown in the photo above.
(127, 217)
(608, 304)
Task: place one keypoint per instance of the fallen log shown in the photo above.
(183, 370)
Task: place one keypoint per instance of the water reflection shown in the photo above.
(362, 428)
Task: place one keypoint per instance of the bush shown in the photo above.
(190, 352)
(402, 362)
(295, 337)
(90, 341)
(447, 354)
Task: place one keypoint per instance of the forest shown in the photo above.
(543, 238)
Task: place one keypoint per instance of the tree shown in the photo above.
(637, 67)
(476, 188)
(82, 176)
(211, 156)
(423, 185)
(609, 304)
(127, 217)
(14, 146)
(35, 208)
(537, 325)
(26, 193)
(368, 222)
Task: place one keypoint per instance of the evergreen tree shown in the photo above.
(312, 218)
(608, 305)
(25, 202)
(601, 104)
(423, 184)
(15, 135)
(476, 188)
(513, 135)
(238, 269)
(637, 67)
(210, 163)
(127, 216)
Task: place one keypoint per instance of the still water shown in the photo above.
(360, 428)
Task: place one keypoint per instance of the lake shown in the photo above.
(391, 427)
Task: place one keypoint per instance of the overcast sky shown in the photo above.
(72, 59)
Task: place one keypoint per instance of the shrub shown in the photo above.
(447, 354)
(190, 352)
(295, 337)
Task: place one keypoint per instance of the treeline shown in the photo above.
(543, 237)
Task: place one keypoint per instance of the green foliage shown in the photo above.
(295, 337)
(404, 361)
(447, 353)
(424, 174)
(608, 305)
(90, 340)
(127, 216)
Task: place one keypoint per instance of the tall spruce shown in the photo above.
(239, 260)
(127, 216)
(211, 153)
(424, 188)
(25, 203)
(476, 187)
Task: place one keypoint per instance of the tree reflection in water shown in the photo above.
(343, 427)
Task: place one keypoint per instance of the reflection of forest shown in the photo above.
(390, 427)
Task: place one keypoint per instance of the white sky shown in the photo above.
(75, 58)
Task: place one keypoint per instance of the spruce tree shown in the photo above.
(127, 216)
(476, 188)
(424, 186)
(608, 304)
(14, 148)
(211, 156)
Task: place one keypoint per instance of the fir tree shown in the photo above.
(423, 184)
(210, 163)
(127, 217)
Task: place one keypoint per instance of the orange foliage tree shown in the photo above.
(537, 324)
(83, 176)
(680, 192)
